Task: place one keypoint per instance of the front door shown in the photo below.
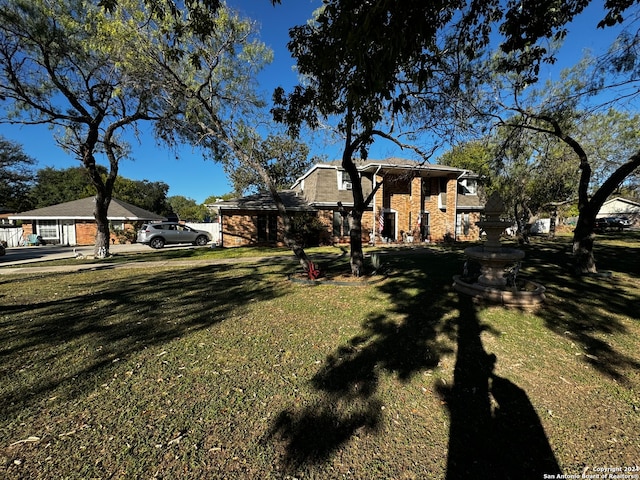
(425, 228)
(389, 229)
(67, 232)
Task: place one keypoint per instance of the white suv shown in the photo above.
(157, 235)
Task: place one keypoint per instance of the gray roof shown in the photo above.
(83, 210)
(263, 201)
(469, 202)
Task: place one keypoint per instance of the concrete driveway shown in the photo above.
(16, 256)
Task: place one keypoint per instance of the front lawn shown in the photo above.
(218, 371)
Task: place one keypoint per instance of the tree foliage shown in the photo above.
(477, 156)
(16, 176)
(282, 158)
(53, 186)
(187, 209)
(145, 194)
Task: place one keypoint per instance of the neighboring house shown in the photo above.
(416, 203)
(73, 223)
(620, 207)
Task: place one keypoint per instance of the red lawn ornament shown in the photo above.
(313, 272)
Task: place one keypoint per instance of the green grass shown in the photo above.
(218, 371)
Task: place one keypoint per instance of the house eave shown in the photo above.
(40, 217)
(236, 208)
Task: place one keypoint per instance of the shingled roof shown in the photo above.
(263, 201)
(83, 210)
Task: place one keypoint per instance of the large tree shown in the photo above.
(212, 82)
(16, 176)
(370, 70)
(375, 67)
(574, 116)
(62, 63)
(78, 67)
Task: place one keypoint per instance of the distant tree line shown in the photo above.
(24, 188)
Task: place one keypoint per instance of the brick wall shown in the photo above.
(238, 230)
(27, 229)
(406, 199)
(85, 233)
(474, 231)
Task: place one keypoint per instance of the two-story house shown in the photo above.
(415, 203)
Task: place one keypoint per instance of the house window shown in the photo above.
(426, 188)
(267, 226)
(117, 226)
(463, 224)
(340, 224)
(443, 185)
(344, 182)
(468, 186)
(48, 229)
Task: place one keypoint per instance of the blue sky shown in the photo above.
(192, 176)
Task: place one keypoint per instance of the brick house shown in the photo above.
(415, 203)
(73, 223)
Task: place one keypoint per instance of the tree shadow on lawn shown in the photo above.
(495, 431)
(587, 309)
(348, 381)
(112, 320)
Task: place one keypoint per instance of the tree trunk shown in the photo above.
(355, 238)
(101, 248)
(103, 190)
(289, 237)
(355, 222)
(583, 236)
(583, 239)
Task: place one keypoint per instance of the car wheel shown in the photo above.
(157, 242)
(201, 241)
